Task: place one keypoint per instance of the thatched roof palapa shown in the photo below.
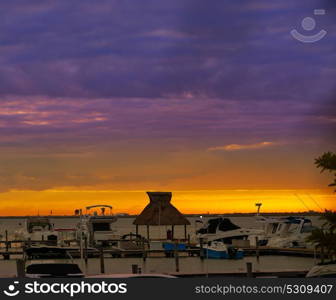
(160, 211)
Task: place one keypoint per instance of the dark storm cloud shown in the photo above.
(228, 49)
(232, 51)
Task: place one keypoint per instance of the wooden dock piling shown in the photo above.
(6, 239)
(176, 255)
(20, 268)
(144, 253)
(135, 269)
(102, 262)
(7, 245)
(249, 270)
(86, 251)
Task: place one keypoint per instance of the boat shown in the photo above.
(222, 229)
(220, 250)
(41, 232)
(97, 228)
(53, 270)
(37, 229)
(325, 270)
(50, 268)
(171, 246)
(286, 232)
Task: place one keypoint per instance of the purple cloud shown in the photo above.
(78, 76)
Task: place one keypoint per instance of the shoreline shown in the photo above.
(186, 215)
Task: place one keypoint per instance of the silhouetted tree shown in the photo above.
(327, 162)
(330, 218)
(325, 238)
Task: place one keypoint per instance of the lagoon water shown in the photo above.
(166, 265)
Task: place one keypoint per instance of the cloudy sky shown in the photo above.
(163, 95)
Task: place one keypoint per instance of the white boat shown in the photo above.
(282, 232)
(286, 232)
(327, 270)
(41, 229)
(220, 250)
(97, 228)
(222, 229)
(37, 229)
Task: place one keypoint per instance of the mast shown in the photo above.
(258, 209)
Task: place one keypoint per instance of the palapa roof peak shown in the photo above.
(159, 211)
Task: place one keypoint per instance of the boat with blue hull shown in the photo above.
(219, 250)
(170, 246)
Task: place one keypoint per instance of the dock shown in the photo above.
(7, 251)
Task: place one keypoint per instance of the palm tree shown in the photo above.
(330, 220)
(325, 238)
(319, 238)
(327, 162)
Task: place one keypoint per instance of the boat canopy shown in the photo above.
(38, 222)
(222, 224)
(98, 205)
(296, 220)
(55, 270)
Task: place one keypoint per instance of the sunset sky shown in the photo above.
(215, 101)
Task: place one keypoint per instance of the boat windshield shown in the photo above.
(307, 226)
(222, 224)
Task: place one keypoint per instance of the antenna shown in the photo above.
(302, 201)
(315, 202)
(258, 209)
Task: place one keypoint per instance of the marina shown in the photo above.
(190, 261)
(168, 139)
(159, 241)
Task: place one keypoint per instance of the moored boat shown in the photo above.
(222, 229)
(53, 270)
(286, 232)
(97, 228)
(325, 270)
(219, 250)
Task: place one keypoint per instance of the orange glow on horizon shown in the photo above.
(64, 202)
